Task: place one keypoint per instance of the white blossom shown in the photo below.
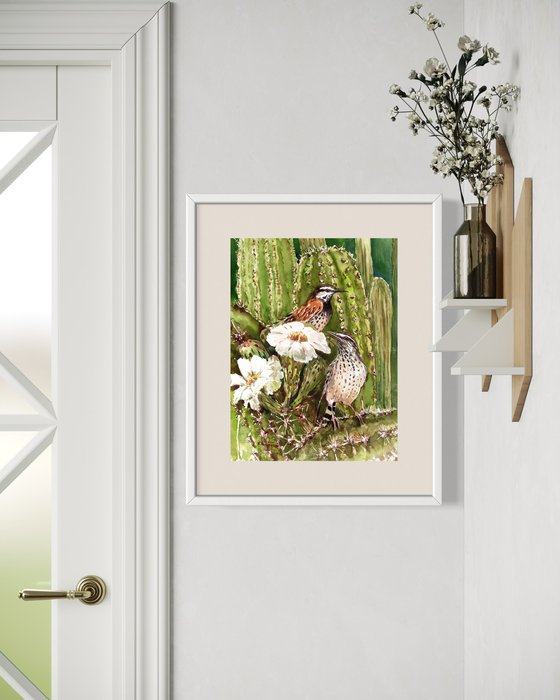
(465, 44)
(257, 374)
(433, 68)
(491, 54)
(468, 88)
(297, 341)
(432, 22)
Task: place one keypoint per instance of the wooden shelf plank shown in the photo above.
(522, 296)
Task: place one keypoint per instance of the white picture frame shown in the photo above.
(433, 493)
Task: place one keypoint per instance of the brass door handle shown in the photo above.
(90, 590)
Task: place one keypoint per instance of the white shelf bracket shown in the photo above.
(492, 354)
(466, 332)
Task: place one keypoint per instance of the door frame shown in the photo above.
(133, 38)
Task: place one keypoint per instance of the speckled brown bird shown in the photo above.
(346, 375)
(316, 311)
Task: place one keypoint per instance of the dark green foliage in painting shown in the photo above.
(265, 277)
(348, 244)
(382, 254)
(233, 269)
(336, 266)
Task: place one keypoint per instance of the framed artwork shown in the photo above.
(310, 376)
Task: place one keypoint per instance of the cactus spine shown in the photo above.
(337, 266)
(265, 277)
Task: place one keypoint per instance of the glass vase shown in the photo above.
(474, 249)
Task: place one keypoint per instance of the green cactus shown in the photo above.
(395, 287)
(265, 277)
(364, 262)
(292, 374)
(270, 283)
(381, 306)
(258, 436)
(242, 323)
(376, 439)
(313, 377)
(245, 333)
(337, 266)
(306, 244)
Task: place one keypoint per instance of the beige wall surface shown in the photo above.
(309, 603)
(512, 475)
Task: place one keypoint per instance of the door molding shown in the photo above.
(72, 25)
(133, 38)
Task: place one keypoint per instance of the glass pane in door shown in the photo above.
(26, 422)
(26, 271)
(11, 143)
(25, 545)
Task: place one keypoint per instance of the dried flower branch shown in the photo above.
(461, 115)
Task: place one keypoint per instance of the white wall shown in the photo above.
(314, 603)
(512, 475)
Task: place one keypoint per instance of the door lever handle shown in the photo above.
(90, 590)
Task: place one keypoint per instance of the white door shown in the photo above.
(80, 297)
(56, 369)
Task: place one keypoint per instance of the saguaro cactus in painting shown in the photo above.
(280, 367)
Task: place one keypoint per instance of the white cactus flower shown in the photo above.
(275, 376)
(257, 374)
(297, 341)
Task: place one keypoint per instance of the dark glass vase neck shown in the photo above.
(474, 247)
(474, 212)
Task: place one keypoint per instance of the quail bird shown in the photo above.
(346, 375)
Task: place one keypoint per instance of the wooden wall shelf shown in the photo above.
(495, 335)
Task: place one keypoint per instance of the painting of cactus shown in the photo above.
(314, 347)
